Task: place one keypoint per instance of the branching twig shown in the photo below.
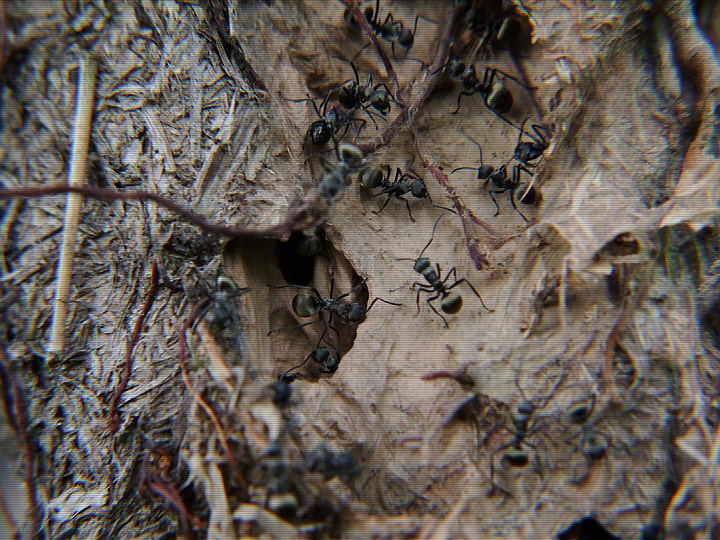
(362, 21)
(114, 413)
(421, 88)
(300, 218)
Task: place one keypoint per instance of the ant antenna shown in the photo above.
(432, 236)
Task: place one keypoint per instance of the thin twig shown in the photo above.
(480, 260)
(114, 413)
(81, 140)
(302, 217)
(16, 414)
(422, 88)
(362, 21)
(197, 310)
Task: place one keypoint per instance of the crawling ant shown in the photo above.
(515, 456)
(450, 302)
(350, 158)
(594, 444)
(352, 95)
(311, 303)
(403, 184)
(501, 182)
(328, 361)
(220, 314)
(329, 123)
(390, 29)
(492, 89)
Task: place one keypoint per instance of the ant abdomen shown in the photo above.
(305, 305)
(452, 303)
(371, 178)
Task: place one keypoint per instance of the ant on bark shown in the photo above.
(501, 182)
(351, 95)
(515, 456)
(408, 183)
(329, 123)
(390, 29)
(492, 89)
(311, 303)
(450, 301)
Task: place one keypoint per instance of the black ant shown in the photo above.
(496, 96)
(330, 123)
(516, 456)
(311, 303)
(220, 314)
(388, 30)
(450, 302)
(350, 158)
(501, 182)
(407, 183)
(594, 444)
(495, 25)
(527, 151)
(352, 95)
(328, 361)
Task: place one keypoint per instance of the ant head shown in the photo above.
(499, 177)
(406, 38)
(226, 286)
(455, 68)
(336, 118)
(421, 265)
(320, 132)
(580, 412)
(305, 305)
(351, 155)
(484, 171)
(417, 188)
(371, 178)
(356, 313)
(451, 303)
(321, 355)
(524, 411)
(331, 364)
(347, 94)
(380, 101)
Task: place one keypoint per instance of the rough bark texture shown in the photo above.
(602, 308)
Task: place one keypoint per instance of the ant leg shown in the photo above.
(490, 192)
(495, 72)
(517, 172)
(463, 280)
(385, 203)
(429, 301)
(382, 300)
(354, 289)
(492, 467)
(543, 139)
(511, 191)
(461, 94)
(295, 327)
(407, 205)
(422, 287)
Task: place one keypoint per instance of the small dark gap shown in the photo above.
(586, 529)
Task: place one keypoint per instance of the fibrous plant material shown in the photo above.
(276, 412)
